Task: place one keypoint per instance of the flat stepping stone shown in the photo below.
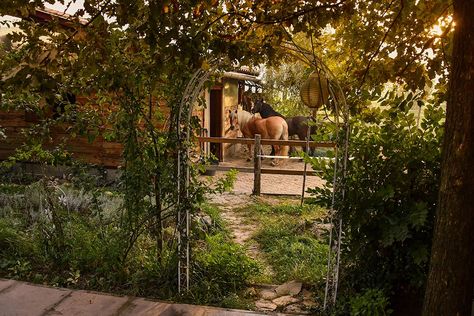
(4, 284)
(285, 300)
(267, 294)
(266, 306)
(309, 304)
(86, 303)
(296, 309)
(289, 288)
(20, 298)
(28, 300)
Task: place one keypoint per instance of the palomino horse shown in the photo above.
(269, 128)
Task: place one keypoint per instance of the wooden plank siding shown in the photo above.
(98, 152)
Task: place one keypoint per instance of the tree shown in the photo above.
(450, 284)
(132, 52)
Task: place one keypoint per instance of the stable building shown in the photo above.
(224, 96)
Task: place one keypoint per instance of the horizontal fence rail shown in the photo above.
(251, 141)
(257, 169)
(289, 172)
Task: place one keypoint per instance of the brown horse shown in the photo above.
(297, 125)
(273, 127)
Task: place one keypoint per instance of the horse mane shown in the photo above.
(267, 110)
(243, 116)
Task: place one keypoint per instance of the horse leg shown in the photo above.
(249, 158)
(273, 151)
(276, 161)
(292, 149)
(302, 136)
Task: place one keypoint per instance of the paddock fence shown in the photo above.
(257, 169)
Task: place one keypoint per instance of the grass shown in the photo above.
(87, 249)
(287, 242)
(293, 253)
(87, 252)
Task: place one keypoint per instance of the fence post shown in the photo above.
(257, 165)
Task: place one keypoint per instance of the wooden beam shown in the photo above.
(247, 141)
(290, 172)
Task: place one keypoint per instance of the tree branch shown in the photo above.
(427, 45)
(70, 37)
(291, 16)
(377, 51)
(210, 24)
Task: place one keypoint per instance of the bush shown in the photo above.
(221, 268)
(372, 302)
(14, 243)
(390, 197)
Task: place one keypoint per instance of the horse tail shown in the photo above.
(284, 136)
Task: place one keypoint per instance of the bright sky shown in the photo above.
(73, 7)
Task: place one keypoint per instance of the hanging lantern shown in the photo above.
(315, 92)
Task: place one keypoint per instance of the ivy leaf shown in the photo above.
(418, 214)
(420, 254)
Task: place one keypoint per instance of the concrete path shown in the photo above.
(25, 299)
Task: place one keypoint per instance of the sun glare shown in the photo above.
(440, 27)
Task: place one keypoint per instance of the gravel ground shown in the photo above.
(271, 183)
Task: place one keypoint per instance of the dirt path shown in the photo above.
(288, 297)
(227, 203)
(241, 230)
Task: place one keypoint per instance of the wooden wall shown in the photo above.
(99, 152)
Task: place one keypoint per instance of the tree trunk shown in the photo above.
(450, 284)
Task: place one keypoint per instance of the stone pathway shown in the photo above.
(289, 298)
(25, 299)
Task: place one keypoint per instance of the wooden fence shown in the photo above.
(257, 169)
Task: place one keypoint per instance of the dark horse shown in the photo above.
(297, 125)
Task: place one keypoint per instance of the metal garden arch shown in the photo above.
(191, 93)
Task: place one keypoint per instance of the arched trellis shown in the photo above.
(341, 111)
(191, 93)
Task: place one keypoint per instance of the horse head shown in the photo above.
(233, 120)
(257, 106)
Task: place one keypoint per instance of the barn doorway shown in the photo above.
(215, 121)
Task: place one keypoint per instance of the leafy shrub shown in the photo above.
(14, 243)
(390, 196)
(221, 268)
(372, 302)
(216, 222)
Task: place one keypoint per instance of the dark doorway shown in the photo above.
(215, 122)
